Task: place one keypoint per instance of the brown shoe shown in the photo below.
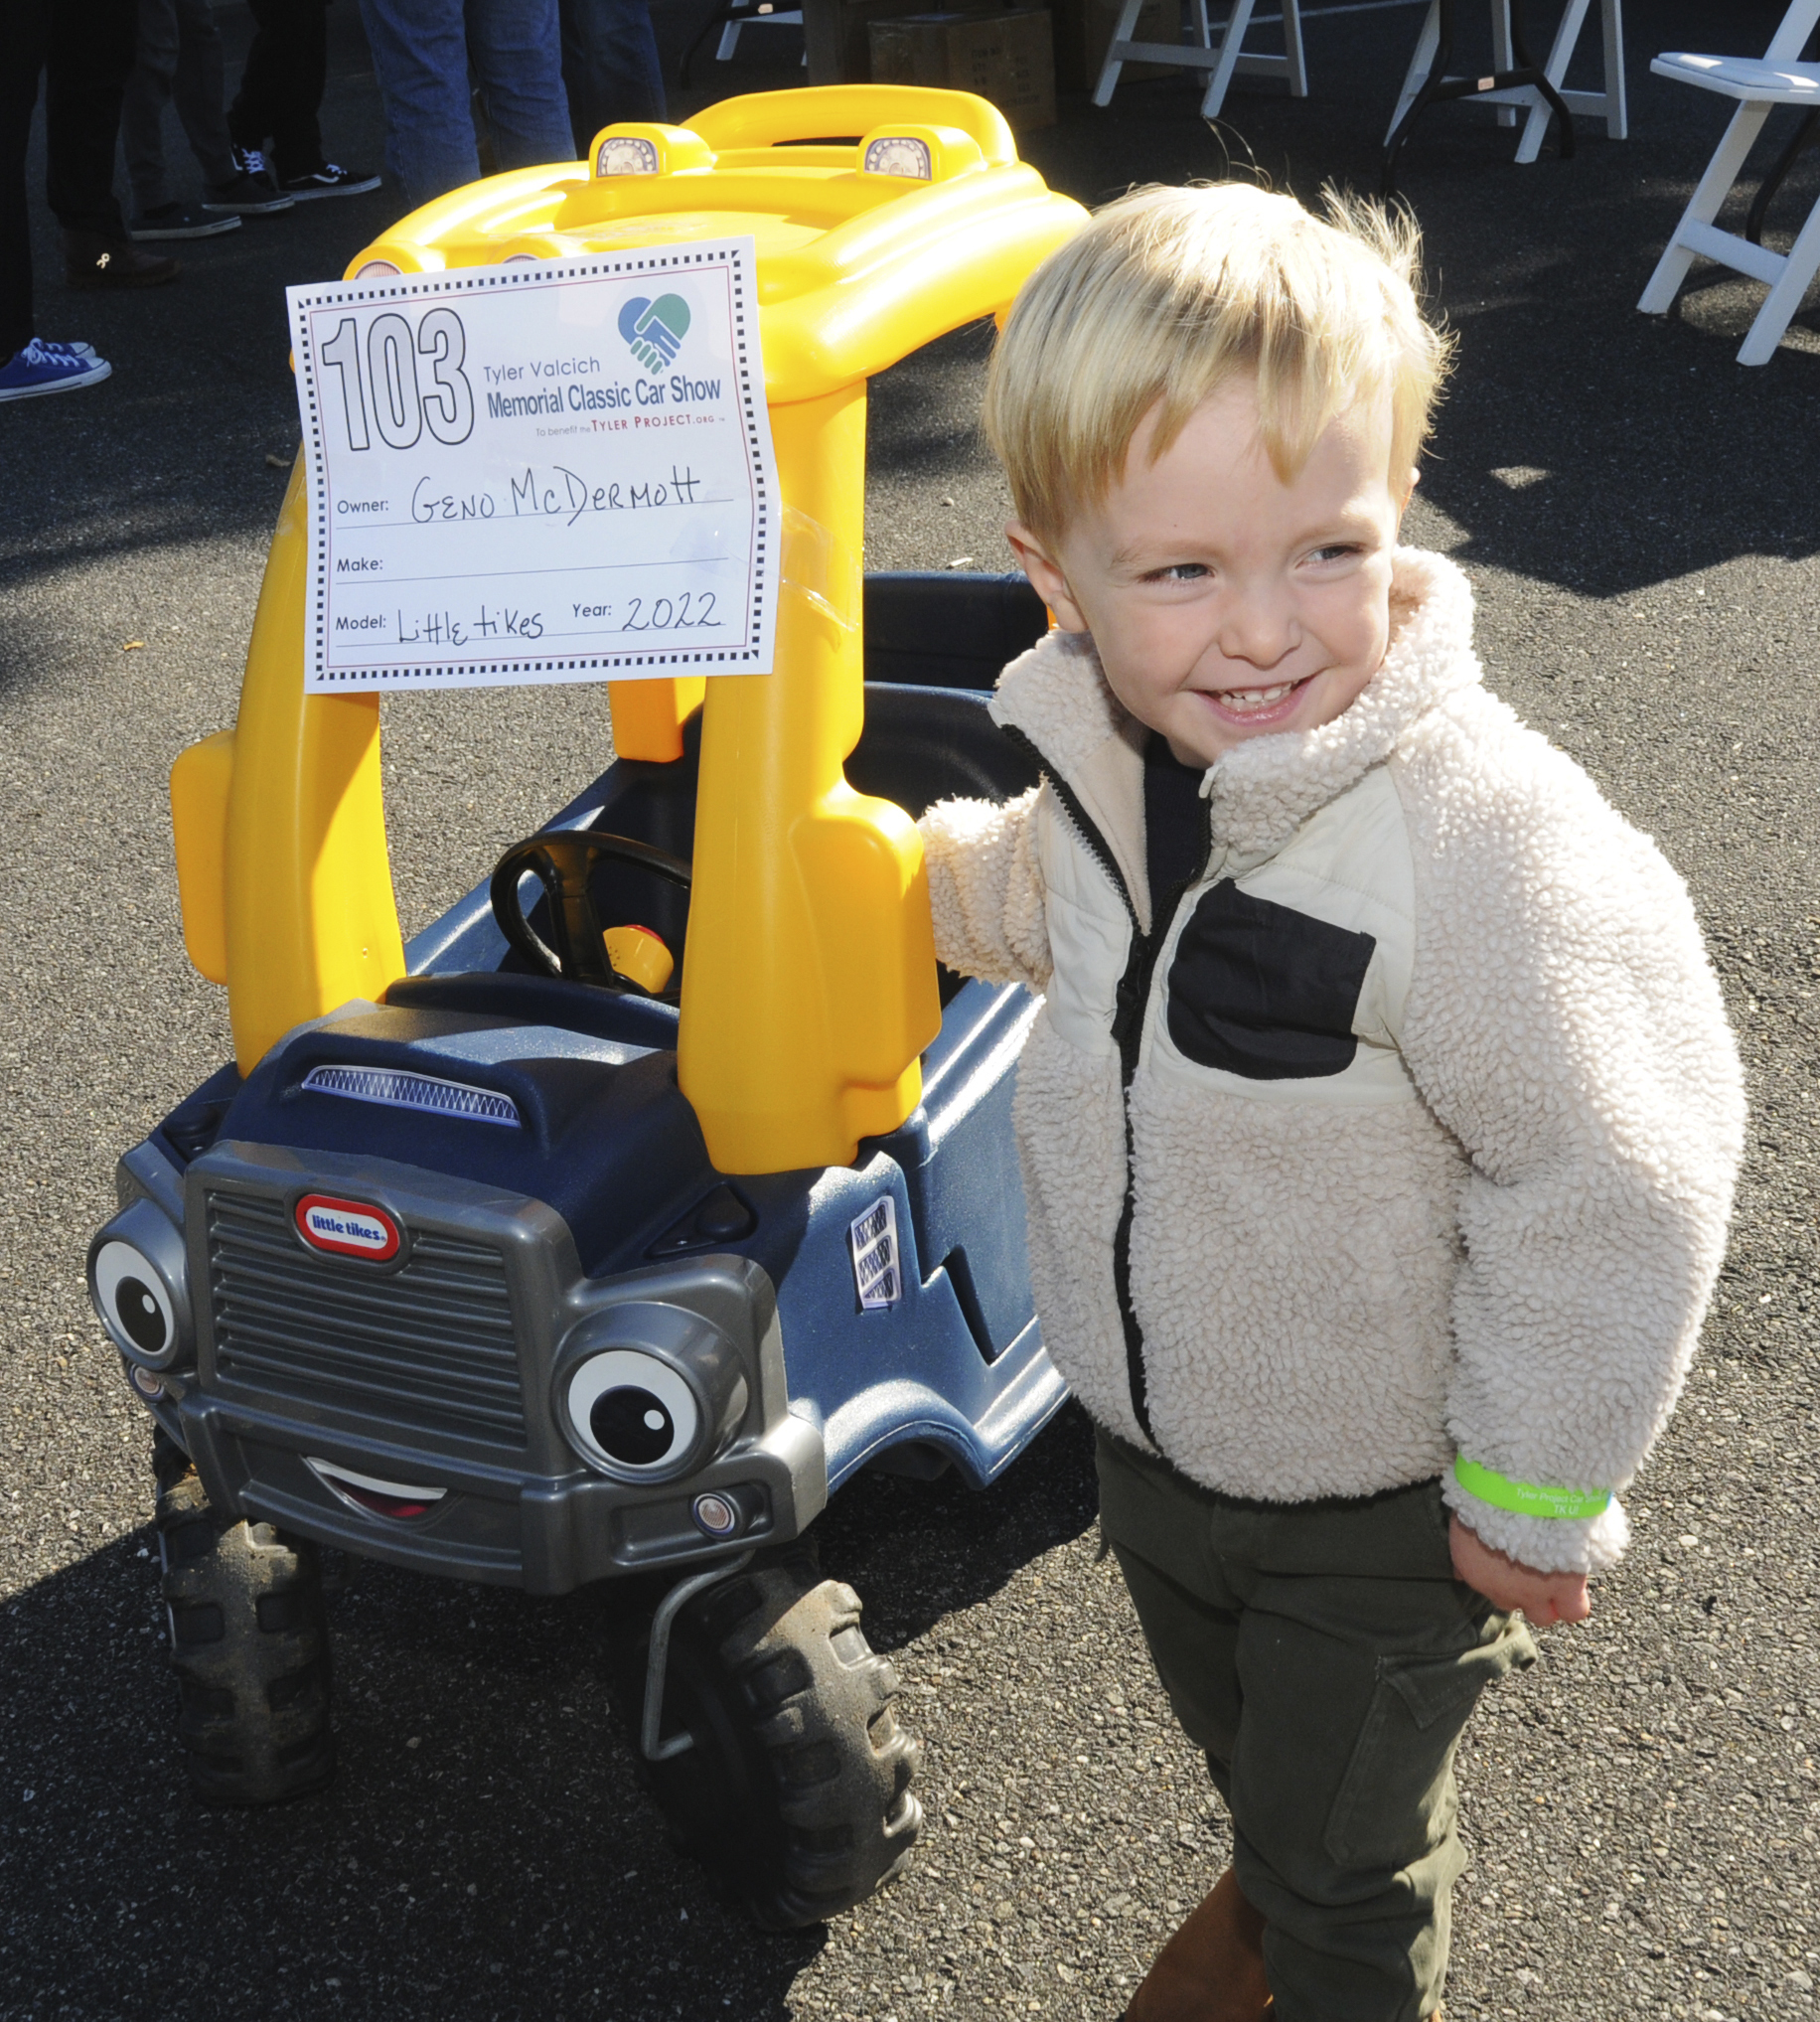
(1212, 1969)
(93, 260)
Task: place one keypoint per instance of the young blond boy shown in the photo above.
(1380, 1123)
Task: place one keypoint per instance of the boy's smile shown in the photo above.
(1223, 603)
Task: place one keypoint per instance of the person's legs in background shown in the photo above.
(280, 96)
(22, 29)
(27, 366)
(610, 65)
(515, 46)
(88, 56)
(142, 103)
(420, 57)
(282, 87)
(180, 56)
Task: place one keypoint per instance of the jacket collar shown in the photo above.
(1261, 791)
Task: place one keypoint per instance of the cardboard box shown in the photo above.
(837, 35)
(1007, 57)
(1084, 27)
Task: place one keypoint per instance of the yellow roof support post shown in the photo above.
(310, 916)
(809, 993)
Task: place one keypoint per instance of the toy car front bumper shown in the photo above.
(545, 1534)
(412, 1413)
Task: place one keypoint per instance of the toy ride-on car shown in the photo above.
(664, 1183)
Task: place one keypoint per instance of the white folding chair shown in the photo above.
(760, 16)
(1610, 104)
(1197, 50)
(1759, 87)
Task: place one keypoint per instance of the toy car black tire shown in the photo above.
(249, 1646)
(796, 1792)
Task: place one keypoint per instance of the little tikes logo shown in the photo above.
(654, 331)
(346, 1228)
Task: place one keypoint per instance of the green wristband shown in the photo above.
(1524, 1498)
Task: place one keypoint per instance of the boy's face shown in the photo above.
(1223, 603)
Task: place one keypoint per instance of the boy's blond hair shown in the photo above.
(1167, 295)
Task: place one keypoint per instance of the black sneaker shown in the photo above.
(93, 260)
(250, 190)
(331, 180)
(181, 221)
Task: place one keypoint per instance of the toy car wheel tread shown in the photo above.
(795, 1791)
(249, 1643)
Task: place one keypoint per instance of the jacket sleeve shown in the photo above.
(985, 888)
(1563, 1022)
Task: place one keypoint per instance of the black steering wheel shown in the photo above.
(562, 861)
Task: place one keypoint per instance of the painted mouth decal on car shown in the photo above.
(371, 1497)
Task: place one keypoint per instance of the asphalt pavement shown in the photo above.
(1640, 518)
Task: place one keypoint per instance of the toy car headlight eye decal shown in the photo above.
(634, 1412)
(376, 270)
(647, 1391)
(626, 154)
(138, 1283)
(134, 1305)
(899, 154)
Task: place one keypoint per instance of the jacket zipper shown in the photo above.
(1128, 1034)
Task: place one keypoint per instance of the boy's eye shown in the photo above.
(1337, 551)
(1178, 572)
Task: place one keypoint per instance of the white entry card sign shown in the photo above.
(547, 471)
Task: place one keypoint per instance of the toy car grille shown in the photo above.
(430, 1343)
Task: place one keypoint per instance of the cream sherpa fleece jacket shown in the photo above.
(1411, 1132)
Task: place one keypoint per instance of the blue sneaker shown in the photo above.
(45, 368)
(77, 350)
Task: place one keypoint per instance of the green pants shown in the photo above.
(1327, 1659)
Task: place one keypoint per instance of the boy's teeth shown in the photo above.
(1255, 697)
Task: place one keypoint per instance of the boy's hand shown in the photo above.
(1509, 1583)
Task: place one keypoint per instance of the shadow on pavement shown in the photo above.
(486, 1818)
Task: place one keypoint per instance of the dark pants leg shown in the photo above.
(22, 34)
(1327, 1659)
(610, 65)
(281, 88)
(89, 58)
(179, 57)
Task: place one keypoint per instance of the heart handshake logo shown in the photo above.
(654, 331)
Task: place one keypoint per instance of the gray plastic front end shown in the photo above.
(436, 1368)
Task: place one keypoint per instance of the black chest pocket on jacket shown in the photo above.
(1261, 989)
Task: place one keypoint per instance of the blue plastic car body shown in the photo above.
(376, 1281)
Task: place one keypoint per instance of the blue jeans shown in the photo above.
(610, 65)
(422, 52)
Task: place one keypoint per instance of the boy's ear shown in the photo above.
(1046, 578)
